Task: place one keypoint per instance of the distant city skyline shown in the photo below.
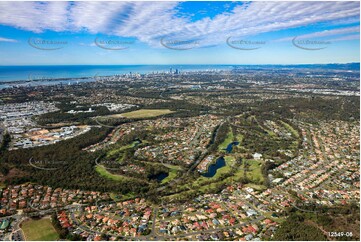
(171, 33)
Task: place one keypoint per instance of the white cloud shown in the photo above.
(95, 17)
(7, 40)
(347, 37)
(149, 21)
(34, 16)
(325, 33)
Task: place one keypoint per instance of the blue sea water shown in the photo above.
(24, 75)
(16, 73)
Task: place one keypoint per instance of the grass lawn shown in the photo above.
(174, 167)
(256, 172)
(239, 138)
(291, 129)
(39, 230)
(121, 197)
(103, 172)
(227, 140)
(199, 183)
(141, 113)
(146, 113)
(172, 174)
(2, 185)
(202, 183)
(120, 149)
(254, 175)
(115, 177)
(114, 196)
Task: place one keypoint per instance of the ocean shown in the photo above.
(11, 76)
(24, 75)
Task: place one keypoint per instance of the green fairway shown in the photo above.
(172, 174)
(115, 177)
(103, 172)
(239, 138)
(39, 230)
(291, 129)
(256, 172)
(120, 149)
(204, 183)
(174, 167)
(146, 113)
(121, 197)
(253, 173)
(125, 147)
(227, 141)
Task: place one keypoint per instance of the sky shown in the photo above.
(115, 33)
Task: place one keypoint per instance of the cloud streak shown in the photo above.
(149, 22)
(325, 33)
(8, 40)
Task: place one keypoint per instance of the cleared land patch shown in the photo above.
(146, 113)
(141, 113)
(39, 230)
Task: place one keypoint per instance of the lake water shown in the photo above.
(212, 169)
(220, 162)
(230, 146)
(159, 177)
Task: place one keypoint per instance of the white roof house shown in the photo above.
(257, 156)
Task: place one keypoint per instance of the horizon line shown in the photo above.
(330, 63)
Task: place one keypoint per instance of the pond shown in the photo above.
(230, 146)
(159, 177)
(220, 162)
(212, 169)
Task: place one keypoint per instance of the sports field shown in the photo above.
(146, 113)
(137, 114)
(39, 230)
